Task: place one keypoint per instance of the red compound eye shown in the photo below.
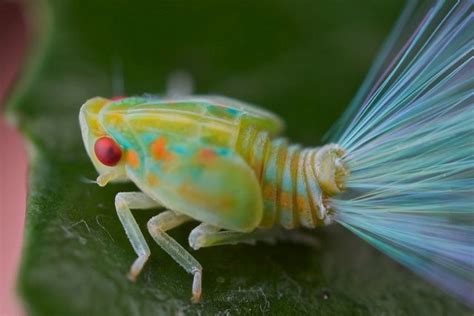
(107, 151)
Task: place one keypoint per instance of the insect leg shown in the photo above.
(167, 220)
(206, 235)
(124, 201)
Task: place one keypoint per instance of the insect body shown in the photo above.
(403, 181)
(209, 159)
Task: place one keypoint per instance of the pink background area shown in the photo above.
(12, 214)
(13, 43)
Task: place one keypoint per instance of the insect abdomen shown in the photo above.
(291, 193)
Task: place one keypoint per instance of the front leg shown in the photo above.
(167, 220)
(124, 201)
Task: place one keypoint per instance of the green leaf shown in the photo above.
(303, 60)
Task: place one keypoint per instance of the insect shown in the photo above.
(399, 171)
(210, 159)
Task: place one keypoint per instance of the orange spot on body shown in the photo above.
(206, 155)
(132, 158)
(301, 202)
(158, 149)
(268, 192)
(152, 179)
(285, 200)
(207, 200)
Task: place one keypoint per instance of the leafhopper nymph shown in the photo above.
(398, 172)
(208, 159)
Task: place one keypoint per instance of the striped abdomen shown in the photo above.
(287, 174)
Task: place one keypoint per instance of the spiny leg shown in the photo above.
(124, 201)
(205, 235)
(167, 220)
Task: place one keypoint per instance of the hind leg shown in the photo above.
(205, 235)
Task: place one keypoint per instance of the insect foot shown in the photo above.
(137, 267)
(197, 280)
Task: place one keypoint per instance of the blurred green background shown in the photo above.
(304, 60)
